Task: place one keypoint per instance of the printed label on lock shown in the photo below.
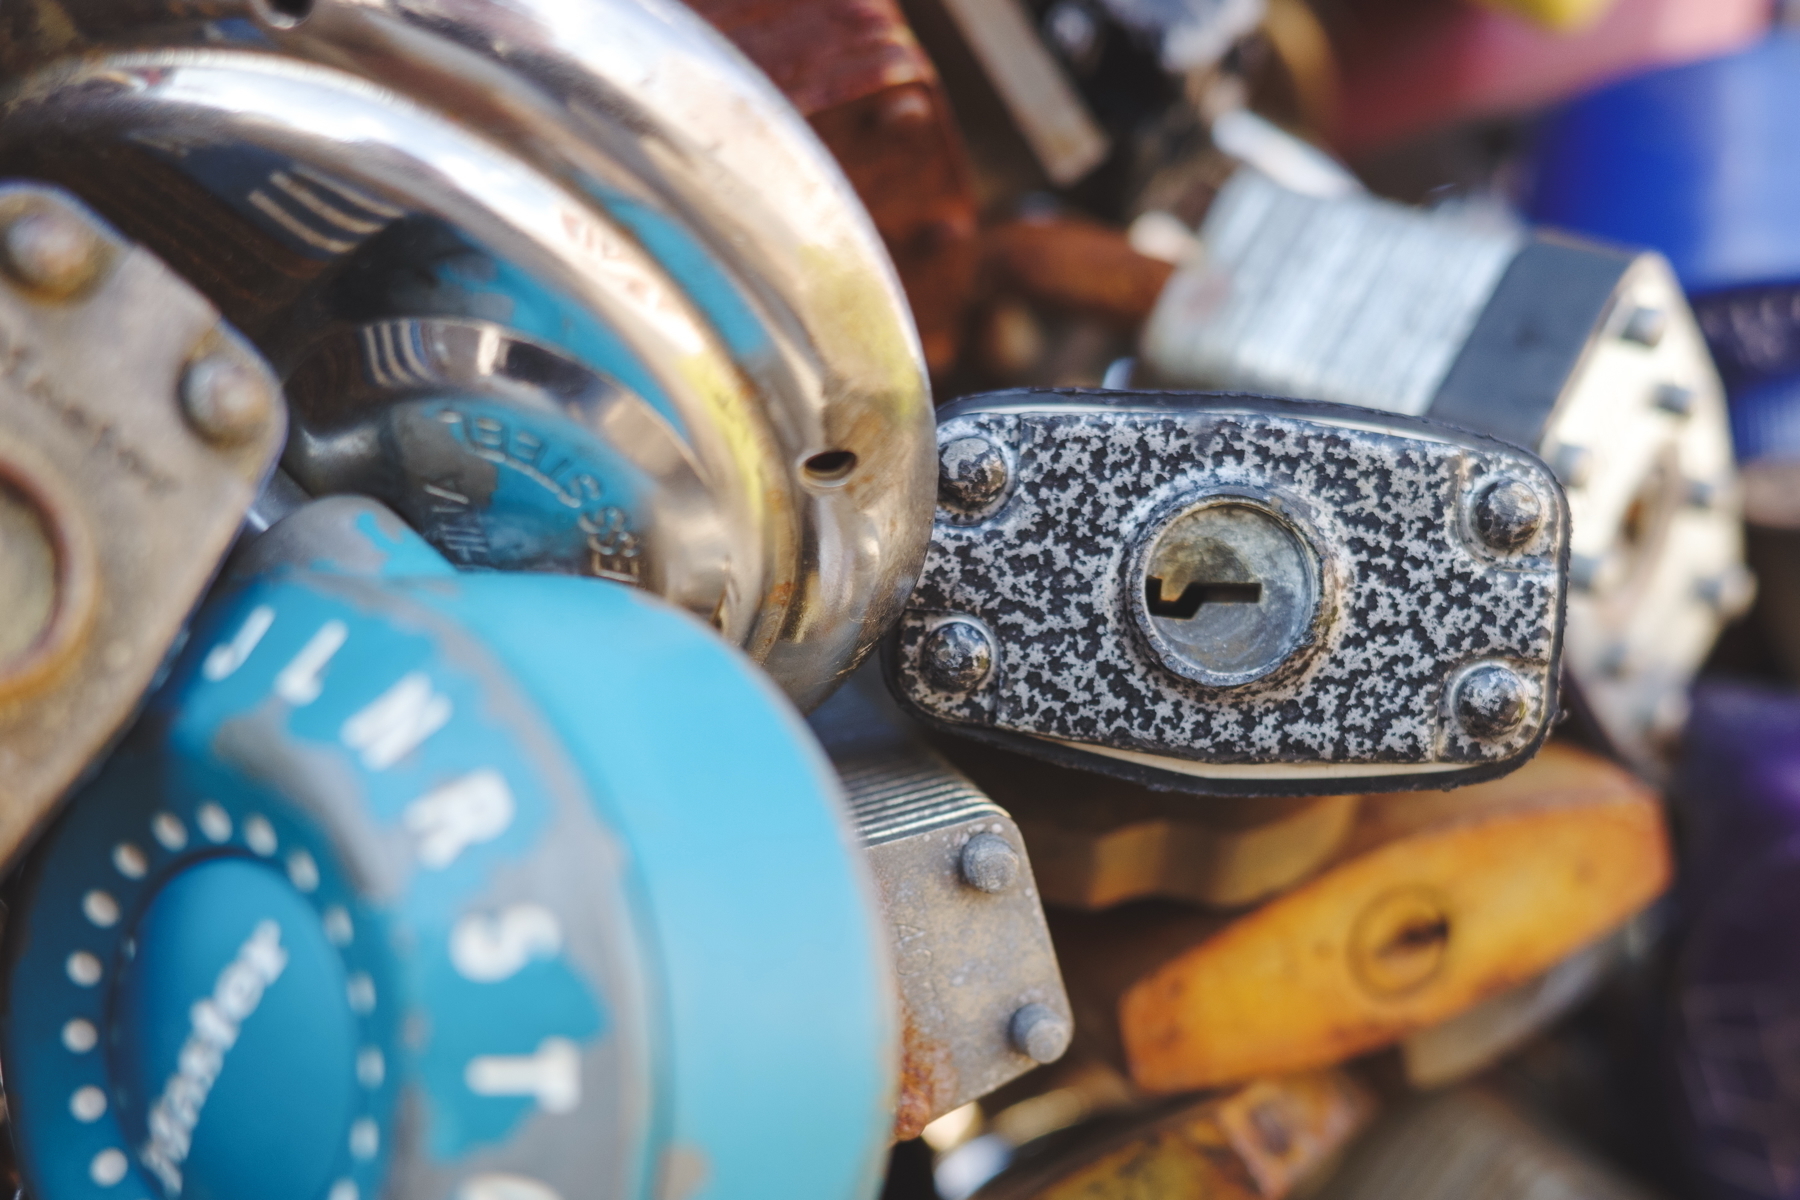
(1234, 594)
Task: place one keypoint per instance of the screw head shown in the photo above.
(1645, 326)
(1676, 400)
(957, 657)
(1040, 1033)
(1491, 701)
(226, 401)
(1508, 513)
(972, 473)
(51, 250)
(989, 863)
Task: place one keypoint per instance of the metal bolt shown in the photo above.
(957, 656)
(1676, 400)
(1508, 513)
(1729, 593)
(1645, 326)
(1702, 493)
(1492, 701)
(989, 863)
(51, 249)
(225, 400)
(1574, 465)
(1040, 1033)
(971, 473)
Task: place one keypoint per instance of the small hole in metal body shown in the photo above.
(830, 466)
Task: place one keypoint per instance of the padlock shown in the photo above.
(570, 286)
(418, 883)
(1736, 990)
(981, 1000)
(1586, 354)
(1234, 594)
(1727, 186)
(1439, 901)
(1471, 1143)
(1098, 841)
(1255, 1142)
(123, 476)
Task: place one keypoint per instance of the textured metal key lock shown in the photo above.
(569, 286)
(385, 897)
(1235, 594)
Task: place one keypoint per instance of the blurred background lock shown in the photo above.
(581, 294)
(123, 477)
(1236, 595)
(385, 895)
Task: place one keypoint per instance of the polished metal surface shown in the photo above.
(609, 178)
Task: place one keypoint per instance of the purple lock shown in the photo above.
(1736, 996)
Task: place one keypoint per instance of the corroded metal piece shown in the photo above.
(1239, 595)
(114, 509)
(981, 998)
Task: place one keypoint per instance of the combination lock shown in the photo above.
(397, 891)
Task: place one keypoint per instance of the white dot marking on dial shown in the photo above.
(88, 1104)
(360, 991)
(130, 861)
(365, 1138)
(108, 1167)
(83, 968)
(214, 822)
(169, 830)
(497, 1186)
(343, 1189)
(303, 871)
(100, 908)
(80, 1036)
(371, 1067)
(259, 835)
(339, 929)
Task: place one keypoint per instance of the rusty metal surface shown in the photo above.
(971, 947)
(135, 429)
(1255, 1142)
(854, 69)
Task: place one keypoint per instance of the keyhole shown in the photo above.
(1186, 606)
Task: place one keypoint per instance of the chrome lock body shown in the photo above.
(1584, 353)
(573, 288)
(135, 429)
(981, 999)
(1237, 595)
(383, 897)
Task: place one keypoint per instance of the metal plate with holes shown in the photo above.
(1234, 594)
(135, 429)
(981, 999)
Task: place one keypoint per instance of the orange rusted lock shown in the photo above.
(1439, 901)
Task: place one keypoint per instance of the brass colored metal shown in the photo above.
(114, 512)
(1097, 841)
(1255, 1142)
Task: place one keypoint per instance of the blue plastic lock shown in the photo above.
(411, 883)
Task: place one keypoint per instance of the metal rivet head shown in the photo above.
(224, 400)
(1703, 493)
(957, 656)
(52, 250)
(971, 473)
(1645, 326)
(989, 863)
(1491, 701)
(1508, 513)
(1676, 400)
(1040, 1033)
(1730, 593)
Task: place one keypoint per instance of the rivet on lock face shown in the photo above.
(1228, 591)
(1399, 941)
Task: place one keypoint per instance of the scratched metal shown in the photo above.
(1409, 596)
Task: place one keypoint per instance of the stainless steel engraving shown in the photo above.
(1234, 594)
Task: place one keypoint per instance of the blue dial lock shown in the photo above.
(410, 883)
